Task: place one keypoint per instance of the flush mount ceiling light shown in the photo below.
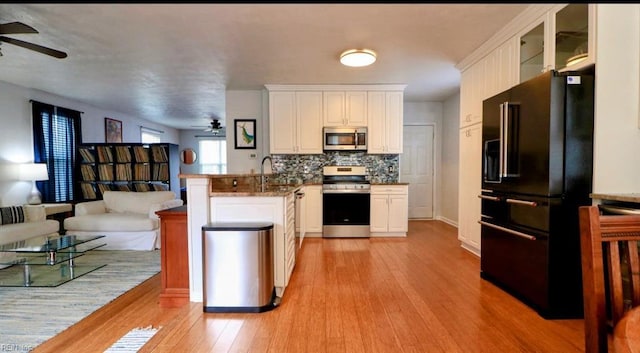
(358, 57)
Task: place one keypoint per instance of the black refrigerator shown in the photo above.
(537, 166)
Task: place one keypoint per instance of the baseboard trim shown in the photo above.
(447, 221)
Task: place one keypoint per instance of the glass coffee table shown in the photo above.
(46, 261)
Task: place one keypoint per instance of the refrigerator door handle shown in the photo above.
(501, 151)
(507, 230)
(505, 139)
(522, 202)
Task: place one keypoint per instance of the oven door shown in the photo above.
(345, 213)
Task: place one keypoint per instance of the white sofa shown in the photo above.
(35, 224)
(127, 219)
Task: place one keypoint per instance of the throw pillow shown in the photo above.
(11, 214)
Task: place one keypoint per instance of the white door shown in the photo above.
(416, 168)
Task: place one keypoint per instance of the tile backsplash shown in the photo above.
(381, 168)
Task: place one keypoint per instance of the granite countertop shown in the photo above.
(271, 190)
(389, 183)
(624, 197)
(185, 176)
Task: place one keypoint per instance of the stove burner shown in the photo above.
(345, 178)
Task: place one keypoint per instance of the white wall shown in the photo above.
(16, 137)
(450, 161)
(428, 113)
(617, 136)
(245, 105)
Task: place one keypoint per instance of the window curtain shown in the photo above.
(56, 135)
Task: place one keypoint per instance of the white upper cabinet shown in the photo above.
(469, 85)
(385, 111)
(506, 66)
(561, 39)
(282, 122)
(298, 113)
(295, 122)
(491, 75)
(309, 122)
(574, 44)
(345, 108)
(532, 58)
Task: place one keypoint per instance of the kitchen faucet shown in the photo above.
(262, 179)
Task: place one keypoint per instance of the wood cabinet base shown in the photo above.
(174, 297)
(174, 257)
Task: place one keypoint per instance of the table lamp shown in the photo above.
(34, 172)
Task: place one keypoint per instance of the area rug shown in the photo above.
(29, 316)
(133, 340)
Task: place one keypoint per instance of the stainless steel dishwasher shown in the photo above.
(237, 264)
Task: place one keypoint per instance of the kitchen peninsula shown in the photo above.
(233, 198)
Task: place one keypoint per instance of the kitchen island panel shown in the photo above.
(261, 209)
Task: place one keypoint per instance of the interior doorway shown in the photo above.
(417, 169)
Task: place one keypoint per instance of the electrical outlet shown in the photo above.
(390, 169)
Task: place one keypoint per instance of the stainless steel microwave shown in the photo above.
(345, 138)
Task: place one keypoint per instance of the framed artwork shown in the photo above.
(112, 130)
(245, 133)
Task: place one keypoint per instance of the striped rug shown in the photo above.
(133, 340)
(29, 316)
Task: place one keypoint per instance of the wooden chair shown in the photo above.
(609, 252)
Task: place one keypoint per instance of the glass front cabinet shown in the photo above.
(562, 39)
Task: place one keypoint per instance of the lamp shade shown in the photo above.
(33, 171)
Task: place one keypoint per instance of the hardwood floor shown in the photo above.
(422, 293)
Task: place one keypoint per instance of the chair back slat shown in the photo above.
(610, 271)
(615, 281)
(634, 263)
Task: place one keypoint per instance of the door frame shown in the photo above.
(434, 161)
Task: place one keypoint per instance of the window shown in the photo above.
(56, 135)
(212, 155)
(149, 135)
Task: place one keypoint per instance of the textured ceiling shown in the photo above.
(172, 63)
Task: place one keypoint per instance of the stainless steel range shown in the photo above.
(346, 202)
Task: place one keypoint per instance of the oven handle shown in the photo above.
(510, 231)
(346, 191)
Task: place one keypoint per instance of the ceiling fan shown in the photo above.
(215, 127)
(21, 28)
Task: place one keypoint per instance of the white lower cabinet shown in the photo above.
(313, 221)
(389, 210)
(469, 186)
(280, 210)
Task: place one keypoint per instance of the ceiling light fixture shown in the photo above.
(358, 57)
